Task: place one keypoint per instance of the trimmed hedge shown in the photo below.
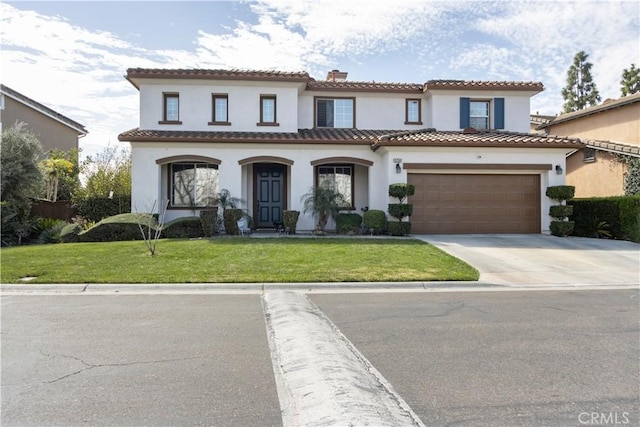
(561, 228)
(98, 208)
(348, 223)
(400, 190)
(118, 228)
(399, 228)
(560, 211)
(375, 220)
(290, 220)
(208, 221)
(183, 227)
(231, 217)
(69, 233)
(400, 210)
(622, 213)
(561, 192)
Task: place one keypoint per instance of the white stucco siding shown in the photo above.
(372, 110)
(149, 184)
(483, 156)
(445, 109)
(195, 105)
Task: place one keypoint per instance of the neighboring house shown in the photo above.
(54, 130)
(537, 120)
(609, 130)
(268, 137)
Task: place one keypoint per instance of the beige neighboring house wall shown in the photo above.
(609, 129)
(54, 130)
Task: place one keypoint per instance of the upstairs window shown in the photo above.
(589, 155)
(338, 178)
(335, 113)
(413, 113)
(220, 109)
(193, 184)
(268, 110)
(478, 113)
(171, 108)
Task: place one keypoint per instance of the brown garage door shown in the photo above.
(446, 203)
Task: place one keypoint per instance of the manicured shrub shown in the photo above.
(561, 192)
(69, 233)
(400, 210)
(52, 234)
(208, 221)
(561, 228)
(348, 223)
(399, 228)
(375, 220)
(290, 219)
(182, 228)
(560, 211)
(98, 208)
(620, 213)
(230, 218)
(400, 191)
(118, 228)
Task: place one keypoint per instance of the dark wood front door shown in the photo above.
(269, 190)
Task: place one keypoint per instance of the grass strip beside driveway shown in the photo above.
(234, 260)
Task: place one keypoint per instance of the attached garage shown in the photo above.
(475, 203)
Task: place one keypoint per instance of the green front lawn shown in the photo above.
(239, 260)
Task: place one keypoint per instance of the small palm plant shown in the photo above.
(324, 204)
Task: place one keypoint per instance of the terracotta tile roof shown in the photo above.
(218, 74)
(620, 102)
(483, 85)
(364, 86)
(472, 138)
(303, 136)
(44, 109)
(373, 138)
(614, 147)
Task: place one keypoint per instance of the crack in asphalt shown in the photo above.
(89, 366)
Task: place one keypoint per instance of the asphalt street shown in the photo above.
(456, 358)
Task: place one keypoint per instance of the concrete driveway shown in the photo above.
(531, 259)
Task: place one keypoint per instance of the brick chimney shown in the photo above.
(337, 76)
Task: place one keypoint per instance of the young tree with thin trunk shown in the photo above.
(580, 91)
(630, 82)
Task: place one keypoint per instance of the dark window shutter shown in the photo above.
(464, 112)
(498, 110)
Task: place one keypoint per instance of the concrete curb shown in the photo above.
(257, 288)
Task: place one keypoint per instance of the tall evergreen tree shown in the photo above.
(630, 82)
(580, 91)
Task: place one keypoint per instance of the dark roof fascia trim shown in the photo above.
(589, 111)
(243, 141)
(363, 89)
(493, 144)
(486, 166)
(286, 79)
(486, 88)
(43, 109)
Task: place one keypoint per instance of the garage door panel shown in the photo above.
(466, 203)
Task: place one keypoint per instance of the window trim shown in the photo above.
(165, 98)
(316, 176)
(213, 121)
(407, 101)
(170, 198)
(262, 122)
(315, 110)
(489, 103)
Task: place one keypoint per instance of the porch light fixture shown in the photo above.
(558, 170)
(398, 168)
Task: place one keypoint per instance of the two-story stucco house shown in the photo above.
(610, 131)
(54, 130)
(268, 137)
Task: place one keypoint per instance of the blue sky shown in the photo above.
(72, 56)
